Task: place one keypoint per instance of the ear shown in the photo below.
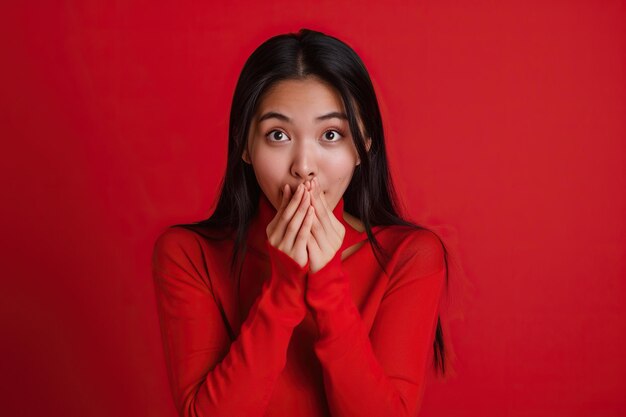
(368, 144)
(246, 157)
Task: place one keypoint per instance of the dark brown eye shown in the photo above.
(276, 135)
(332, 135)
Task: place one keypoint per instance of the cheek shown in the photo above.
(267, 165)
(269, 177)
(265, 171)
(337, 171)
(338, 168)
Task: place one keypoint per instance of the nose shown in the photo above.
(304, 163)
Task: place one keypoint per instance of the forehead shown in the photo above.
(301, 97)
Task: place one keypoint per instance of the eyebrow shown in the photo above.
(280, 116)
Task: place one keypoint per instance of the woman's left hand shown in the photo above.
(327, 232)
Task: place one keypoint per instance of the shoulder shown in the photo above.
(418, 249)
(178, 249)
(177, 238)
(174, 240)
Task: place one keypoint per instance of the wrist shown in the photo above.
(287, 284)
(325, 286)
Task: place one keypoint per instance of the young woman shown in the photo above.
(304, 293)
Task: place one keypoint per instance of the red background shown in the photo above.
(505, 129)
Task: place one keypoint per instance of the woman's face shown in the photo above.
(300, 131)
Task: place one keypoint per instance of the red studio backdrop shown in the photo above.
(505, 128)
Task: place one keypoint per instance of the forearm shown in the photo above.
(355, 383)
(211, 376)
(242, 383)
(355, 380)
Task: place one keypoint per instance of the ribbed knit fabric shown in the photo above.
(347, 341)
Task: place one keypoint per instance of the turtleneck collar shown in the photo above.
(257, 235)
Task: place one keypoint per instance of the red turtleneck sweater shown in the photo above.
(350, 340)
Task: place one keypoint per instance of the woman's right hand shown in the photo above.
(289, 230)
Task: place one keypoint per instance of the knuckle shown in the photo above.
(285, 216)
(291, 227)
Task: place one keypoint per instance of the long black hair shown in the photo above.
(370, 196)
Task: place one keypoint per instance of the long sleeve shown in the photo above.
(209, 375)
(380, 374)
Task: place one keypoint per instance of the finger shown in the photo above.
(320, 236)
(285, 215)
(312, 246)
(285, 197)
(292, 205)
(321, 210)
(336, 223)
(323, 198)
(305, 231)
(296, 222)
(284, 200)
